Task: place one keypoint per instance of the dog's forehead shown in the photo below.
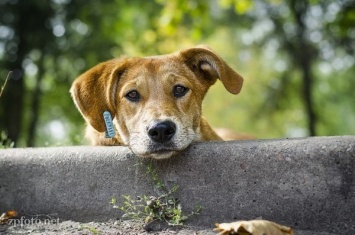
(154, 65)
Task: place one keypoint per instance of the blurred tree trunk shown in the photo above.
(30, 23)
(304, 57)
(35, 106)
(305, 62)
(12, 100)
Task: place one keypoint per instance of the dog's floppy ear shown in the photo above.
(94, 92)
(204, 62)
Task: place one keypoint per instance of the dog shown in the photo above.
(152, 104)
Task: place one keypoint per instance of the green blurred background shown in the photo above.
(297, 58)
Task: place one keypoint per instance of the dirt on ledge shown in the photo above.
(110, 227)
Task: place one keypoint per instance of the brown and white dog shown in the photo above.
(155, 101)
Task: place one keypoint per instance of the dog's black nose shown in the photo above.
(162, 132)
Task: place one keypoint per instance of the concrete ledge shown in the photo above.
(308, 184)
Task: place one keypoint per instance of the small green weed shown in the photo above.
(164, 207)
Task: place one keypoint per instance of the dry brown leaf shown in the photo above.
(6, 216)
(253, 227)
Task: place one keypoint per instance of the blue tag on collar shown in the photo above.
(110, 129)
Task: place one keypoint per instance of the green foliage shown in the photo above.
(5, 142)
(52, 42)
(164, 207)
(240, 6)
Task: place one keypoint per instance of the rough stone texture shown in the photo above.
(306, 183)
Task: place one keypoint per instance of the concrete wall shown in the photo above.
(304, 183)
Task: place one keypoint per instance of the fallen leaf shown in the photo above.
(4, 218)
(253, 227)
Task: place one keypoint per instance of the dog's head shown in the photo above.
(155, 101)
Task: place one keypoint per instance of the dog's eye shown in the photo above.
(133, 96)
(180, 91)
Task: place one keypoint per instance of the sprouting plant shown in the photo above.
(164, 207)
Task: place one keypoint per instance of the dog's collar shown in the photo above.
(110, 130)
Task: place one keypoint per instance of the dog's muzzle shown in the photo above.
(162, 132)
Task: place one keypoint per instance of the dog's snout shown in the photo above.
(162, 132)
